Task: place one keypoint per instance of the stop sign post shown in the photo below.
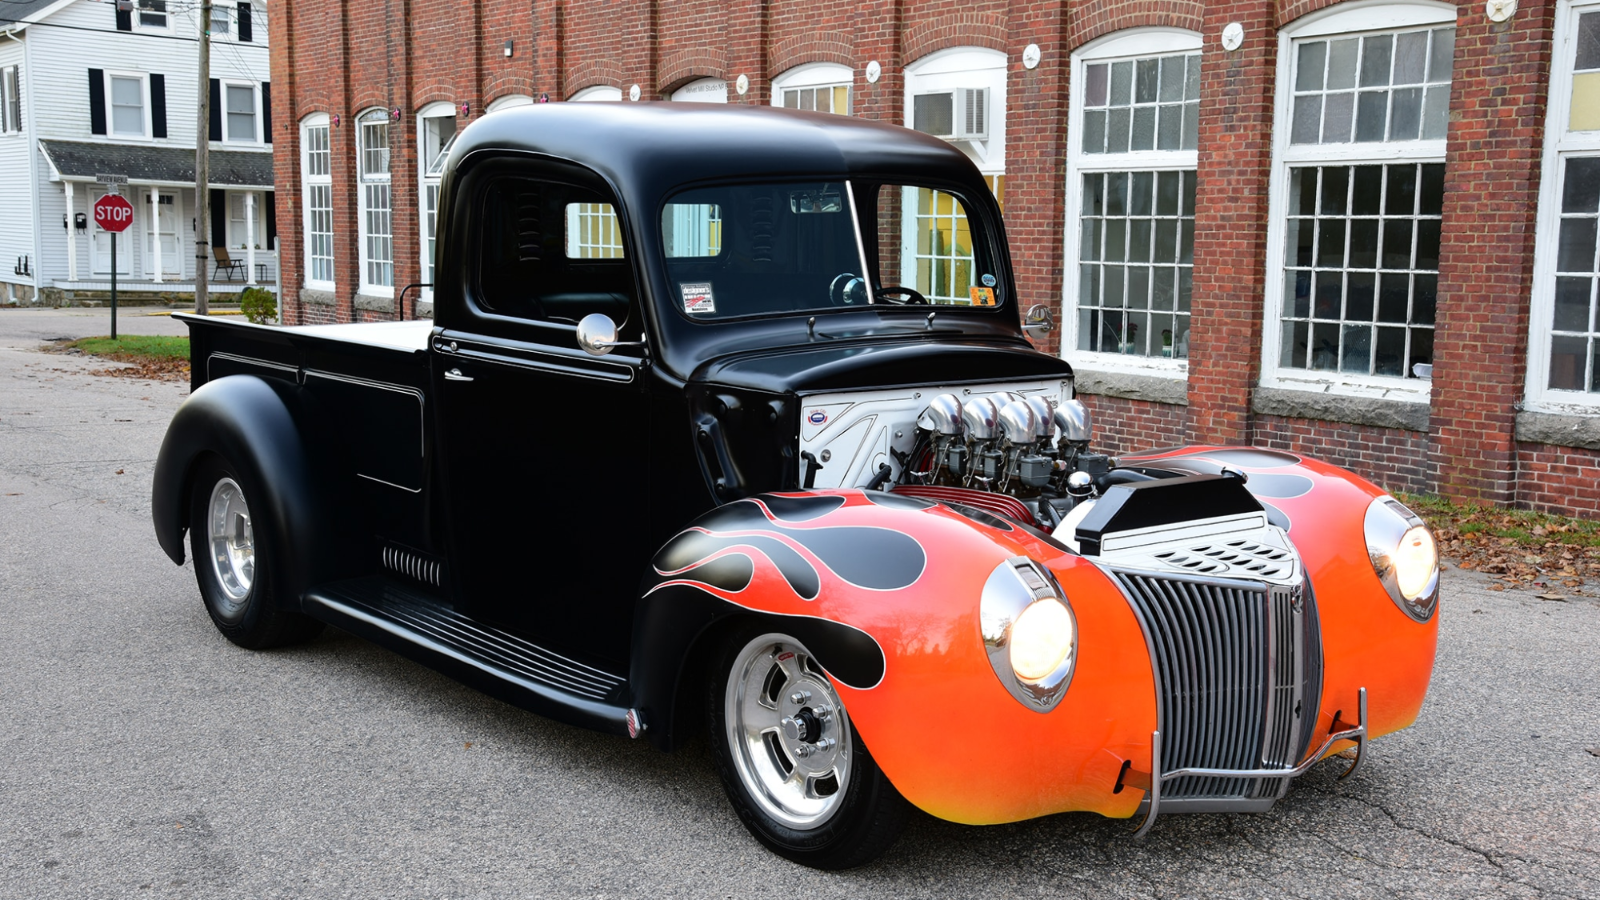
(114, 214)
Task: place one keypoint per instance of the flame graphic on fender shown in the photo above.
(721, 548)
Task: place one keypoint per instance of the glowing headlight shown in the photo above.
(1029, 632)
(1404, 557)
(1041, 638)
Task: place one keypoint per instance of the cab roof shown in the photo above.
(647, 148)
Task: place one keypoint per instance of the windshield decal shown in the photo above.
(697, 298)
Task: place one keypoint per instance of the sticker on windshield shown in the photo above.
(983, 296)
(697, 298)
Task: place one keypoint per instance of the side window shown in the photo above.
(925, 241)
(553, 252)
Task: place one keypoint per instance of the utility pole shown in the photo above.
(202, 167)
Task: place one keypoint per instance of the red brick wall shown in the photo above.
(1497, 108)
(1125, 426)
(1392, 458)
(1230, 223)
(1562, 480)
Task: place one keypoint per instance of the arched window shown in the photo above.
(509, 101)
(1130, 197)
(704, 90)
(823, 87)
(316, 187)
(959, 95)
(372, 174)
(598, 92)
(436, 129)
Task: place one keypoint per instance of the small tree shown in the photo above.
(259, 305)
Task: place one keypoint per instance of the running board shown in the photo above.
(481, 656)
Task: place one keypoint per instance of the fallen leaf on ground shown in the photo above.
(1552, 596)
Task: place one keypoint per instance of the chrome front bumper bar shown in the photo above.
(1357, 734)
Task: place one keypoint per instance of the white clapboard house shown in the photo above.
(98, 87)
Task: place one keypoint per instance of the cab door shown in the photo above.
(543, 445)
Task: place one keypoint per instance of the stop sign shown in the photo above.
(113, 213)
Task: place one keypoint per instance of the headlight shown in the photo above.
(1404, 557)
(1029, 632)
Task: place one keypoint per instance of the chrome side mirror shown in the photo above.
(597, 334)
(1039, 320)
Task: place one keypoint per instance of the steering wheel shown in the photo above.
(910, 294)
(847, 289)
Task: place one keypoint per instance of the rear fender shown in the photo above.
(884, 590)
(263, 428)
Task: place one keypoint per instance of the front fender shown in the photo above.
(1367, 641)
(262, 428)
(876, 576)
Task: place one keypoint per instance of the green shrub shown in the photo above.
(259, 305)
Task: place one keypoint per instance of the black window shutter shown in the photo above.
(158, 105)
(97, 101)
(266, 111)
(245, 28)
(270, 200)
(219, 219)
(124, 19)
(216, 109)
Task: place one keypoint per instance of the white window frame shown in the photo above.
(1131, 43)
(255, 99)
(1355, 17)
(166, 14)
(815, 75)
(966, 67)
(228, 14)
(11, 94)
(308, 181)
(597, 93)
(363, 182)
(1559, 146)
(111, 112)
(427, 213)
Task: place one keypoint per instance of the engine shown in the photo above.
(1029, 449)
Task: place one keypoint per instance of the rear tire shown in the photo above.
(799, 776)
(234, 567)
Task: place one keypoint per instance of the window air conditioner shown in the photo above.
(959, 115)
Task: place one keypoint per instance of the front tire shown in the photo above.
(233, 567)
(794, 768)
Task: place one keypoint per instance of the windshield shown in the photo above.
(762, 249)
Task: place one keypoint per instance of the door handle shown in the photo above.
(455, 375)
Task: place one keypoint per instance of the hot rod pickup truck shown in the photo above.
(727, 420)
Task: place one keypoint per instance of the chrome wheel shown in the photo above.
(787, 732)
(232, 542)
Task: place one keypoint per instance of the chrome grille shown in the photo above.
(1229, 664)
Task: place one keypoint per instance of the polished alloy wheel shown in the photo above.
(232, 542)
(788, 733)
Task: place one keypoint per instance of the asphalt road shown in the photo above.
(141, 755)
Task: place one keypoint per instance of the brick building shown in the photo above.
(1365, 231)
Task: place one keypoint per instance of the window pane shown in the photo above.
(1588, 49)
(1307, 119)
(1356, 355)
(1375, 52)
(1360, 292)
(1118, 121)
(1342, 64)
(1095, 85)
(1396, 244)
(1144, 129)
(1191, 125)
(1293, 352)
(1436, 113)
(1405, 114)
(1191, 89)
(1308, 71)
(1424, 298)
(1580, 190)
(1338, 116)
(1146, 80)
(1572, 304)
(1390, 358)
(1363, 243)
(1117, 194)
(1335, 188)
(1330, 243)
(1172, 76)
(1410, 57)
(1327, 302)
(1585, 102)
(1393, 296)
(1141, 186)
(1094, 131)
(1441, 53)
(1568, 358)
(1167, 193)
(1402, 190)
(1169, 133)
(1432, 200)
(1121, 84)
(1575, 251)
(1371, 107)
(1093, 195)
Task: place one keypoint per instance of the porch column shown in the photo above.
(155, 235)
(250, 237)
(72, 234)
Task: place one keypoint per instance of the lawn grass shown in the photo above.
(134, 348)
(1522, 527)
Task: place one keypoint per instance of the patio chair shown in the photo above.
(227, 264)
